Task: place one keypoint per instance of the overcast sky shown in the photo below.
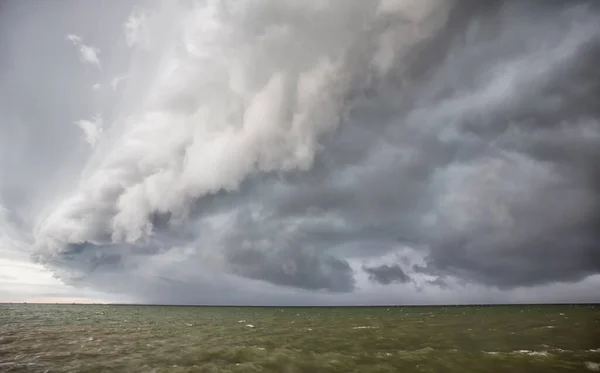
(300, 152)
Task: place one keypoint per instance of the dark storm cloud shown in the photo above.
(477, 155)
(259, 248)
(294, 268)
(493, 166)
(387, 274)
(532, 186)
(438, 282)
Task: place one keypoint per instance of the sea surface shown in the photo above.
(111, 338)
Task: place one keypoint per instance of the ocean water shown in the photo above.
(111, 338)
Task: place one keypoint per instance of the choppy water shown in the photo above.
(99, 338)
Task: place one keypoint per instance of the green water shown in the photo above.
(98, 338)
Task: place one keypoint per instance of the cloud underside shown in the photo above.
(442, 140)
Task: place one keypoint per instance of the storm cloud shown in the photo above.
(308, 152)
(387, 274)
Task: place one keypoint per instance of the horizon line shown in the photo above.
(304, 306)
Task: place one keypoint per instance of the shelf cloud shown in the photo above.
(307, 152)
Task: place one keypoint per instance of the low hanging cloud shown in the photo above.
(274, 151)
(387, 274)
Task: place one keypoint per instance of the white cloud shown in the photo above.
(92, 129)
(135, 27)
(87, 53)
(223, 93)
(76, 40)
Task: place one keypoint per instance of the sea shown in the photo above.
(124, 338)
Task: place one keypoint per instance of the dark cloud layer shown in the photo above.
(475, 154)
(387, 274)
(493, 166)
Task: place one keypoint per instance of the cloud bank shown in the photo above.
(331, 152)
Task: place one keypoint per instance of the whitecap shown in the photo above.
(531, 353)
(561, 350)
(594, 367)
(491, 352)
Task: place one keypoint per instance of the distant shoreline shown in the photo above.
(304, 306)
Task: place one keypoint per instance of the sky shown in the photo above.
(278, 152)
